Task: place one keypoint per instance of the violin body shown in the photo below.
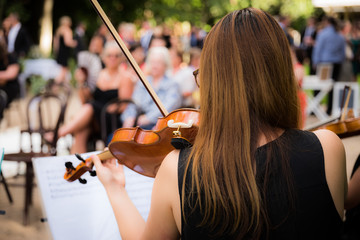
(346, 128)
(338, 127)
(144, 150)
(353, 124)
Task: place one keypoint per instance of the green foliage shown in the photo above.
(37, 84)
(203, 13)
(16, 6)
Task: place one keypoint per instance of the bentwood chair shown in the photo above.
(45, 113)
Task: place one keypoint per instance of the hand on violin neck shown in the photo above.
(110, 173)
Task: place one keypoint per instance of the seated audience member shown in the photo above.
(157, 64)
(9, 71)
(138, 54)
(183, 76)
(89, 66)
(111, 84)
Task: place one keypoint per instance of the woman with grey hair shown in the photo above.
(157, 68)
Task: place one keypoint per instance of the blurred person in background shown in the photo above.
(355, 43)
(18, 40)
(308, 37)
(329, 48)
(183, 76)
(63, 43)
(89, 65)
(80, 38)
(9, 71)
(127, 32)
(297, 57)
(346, 72)
(284, 22)
(111, 84)
(158, 64)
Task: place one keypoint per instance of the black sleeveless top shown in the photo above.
(313, 215)
(64, 52)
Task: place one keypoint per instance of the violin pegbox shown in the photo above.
(92, 172)
(177, 140)
(73, 173)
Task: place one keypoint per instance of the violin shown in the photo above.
(138, 149)
(345, 126)
(352, 123)
(143, 150)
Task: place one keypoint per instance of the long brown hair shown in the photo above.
(247, 88)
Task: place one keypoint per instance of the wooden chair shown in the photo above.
(45, 113)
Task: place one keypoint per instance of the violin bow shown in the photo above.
(129, 57)
(345, 106)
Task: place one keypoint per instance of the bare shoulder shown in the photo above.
(165, 213)
(333, 148)
(329, 141)
(335, 167)
(170, 163)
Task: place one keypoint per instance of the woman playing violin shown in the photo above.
(251, 173)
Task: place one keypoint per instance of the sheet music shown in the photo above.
(82, 211)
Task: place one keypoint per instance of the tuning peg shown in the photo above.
(82, 181)
(78, 156)
(69, 165)
(92, 173)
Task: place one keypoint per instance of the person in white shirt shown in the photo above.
(18, 39)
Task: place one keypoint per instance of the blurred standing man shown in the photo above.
(18, 40)
(308, 40)
(284, 23)
(330, 48)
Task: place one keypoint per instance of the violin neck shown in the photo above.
(105, 155)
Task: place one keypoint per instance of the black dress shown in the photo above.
(12, 87)
(100, 99)
(63, 53)
(314, 216)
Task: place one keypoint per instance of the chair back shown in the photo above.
(324, 71)
(45, 114)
